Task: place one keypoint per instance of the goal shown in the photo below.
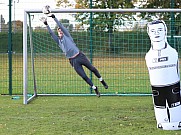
(116, 46)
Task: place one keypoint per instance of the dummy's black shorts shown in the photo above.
(171, 94)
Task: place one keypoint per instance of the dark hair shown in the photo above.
(156, 22)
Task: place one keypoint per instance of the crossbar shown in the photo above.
(103, 10)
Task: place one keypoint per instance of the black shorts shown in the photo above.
(171, 94)
(80, 60)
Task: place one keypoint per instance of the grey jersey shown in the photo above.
(66, 43)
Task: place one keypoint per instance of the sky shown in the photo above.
(18, 7)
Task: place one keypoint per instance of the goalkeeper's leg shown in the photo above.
(97, 74)
(80, 71)
(87, 64)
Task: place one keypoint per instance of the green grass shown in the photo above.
(54, 74)
(58, 115)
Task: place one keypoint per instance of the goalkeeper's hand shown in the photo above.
(46, 10)
(51, 15)
(44, 20)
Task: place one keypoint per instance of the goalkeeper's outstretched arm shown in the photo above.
(44, 20)
(65, 31)
(55, 37)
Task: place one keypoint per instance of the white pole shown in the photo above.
(0, 22)
(14, 19)
(15, 15)
(25, 67)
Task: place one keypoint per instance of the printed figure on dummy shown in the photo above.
(163, 67)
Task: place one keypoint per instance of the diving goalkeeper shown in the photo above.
(76, 58)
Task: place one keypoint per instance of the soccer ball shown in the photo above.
(46, 9)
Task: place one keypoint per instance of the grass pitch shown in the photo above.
(107, 115)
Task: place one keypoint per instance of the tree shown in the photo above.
(159, 4)
(110, 22)
(64, 3)
(172, 19)
(101, 19)
(104, 21)
(17, 25)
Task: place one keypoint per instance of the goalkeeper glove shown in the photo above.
(44, 20)
(52, 15)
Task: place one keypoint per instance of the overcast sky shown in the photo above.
(18, 7)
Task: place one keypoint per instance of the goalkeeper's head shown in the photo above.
(60, 32)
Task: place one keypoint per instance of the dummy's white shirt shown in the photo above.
(162, 66)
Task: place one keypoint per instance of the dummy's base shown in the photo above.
(169, 126)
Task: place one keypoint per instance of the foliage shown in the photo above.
(17, 42)
(63, 3)
(159, 4)
(108, 22)
(155, 4)
(104, 21)
(111, 22)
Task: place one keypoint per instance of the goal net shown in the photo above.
(114, 40)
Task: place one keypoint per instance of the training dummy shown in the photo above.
(163, 67)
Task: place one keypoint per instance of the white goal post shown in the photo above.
(27, 24)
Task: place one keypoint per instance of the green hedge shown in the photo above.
(17, 42)
(119, 41)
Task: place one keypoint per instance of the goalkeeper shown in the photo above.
(76, 58)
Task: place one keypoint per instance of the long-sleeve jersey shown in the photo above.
(66, 43)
